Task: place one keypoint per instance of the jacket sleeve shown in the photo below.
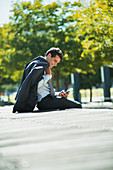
(26, 98)
(27, 95)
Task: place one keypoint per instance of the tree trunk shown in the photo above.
(66, 84)
(57, 80)
(90, 94)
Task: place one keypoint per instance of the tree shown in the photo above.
(84, 33)
(4, 50)
(32, 30)
(89, 80)
(95, 31)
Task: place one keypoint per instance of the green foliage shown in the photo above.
(95, 31)
(88, 80)
(84, 33)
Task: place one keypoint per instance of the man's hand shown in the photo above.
(63, 93)
(48, 71)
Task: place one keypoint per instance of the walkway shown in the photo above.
(74, 139)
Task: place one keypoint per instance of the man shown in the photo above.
(36, 88)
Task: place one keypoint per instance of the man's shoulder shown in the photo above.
(36, 60)
(39, 58)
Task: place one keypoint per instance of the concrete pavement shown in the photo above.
(74, 139)
(98, 105)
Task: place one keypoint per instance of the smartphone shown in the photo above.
(68, 90)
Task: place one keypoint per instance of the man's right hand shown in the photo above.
(48, 71)
(63, 93)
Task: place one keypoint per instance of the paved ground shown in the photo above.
(98, 105)
(74, 139)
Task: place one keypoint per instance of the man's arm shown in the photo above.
(48, 71)
(46, 77)
(62, 93)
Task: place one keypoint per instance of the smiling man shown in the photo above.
(47, 99)
(36, 86)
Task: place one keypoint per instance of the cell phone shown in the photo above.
(68, 90)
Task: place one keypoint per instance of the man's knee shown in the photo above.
(77, 104)
(80, 105)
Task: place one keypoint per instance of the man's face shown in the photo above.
(53, 61)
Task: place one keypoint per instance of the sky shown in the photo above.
(5, 7)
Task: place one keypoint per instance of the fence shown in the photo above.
(97, 95)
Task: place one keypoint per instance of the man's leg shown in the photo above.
(52, 102)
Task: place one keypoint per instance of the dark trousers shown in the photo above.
(52, 103)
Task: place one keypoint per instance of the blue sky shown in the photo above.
(5, 7)
(4, 11)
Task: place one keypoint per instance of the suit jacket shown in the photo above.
(26, 97)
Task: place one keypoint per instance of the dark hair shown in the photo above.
(55, 51)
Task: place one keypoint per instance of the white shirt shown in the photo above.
(43, 87)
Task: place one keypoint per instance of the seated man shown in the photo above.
(47, 99)
(36, 87)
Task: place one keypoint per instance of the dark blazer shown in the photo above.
(26, 97)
